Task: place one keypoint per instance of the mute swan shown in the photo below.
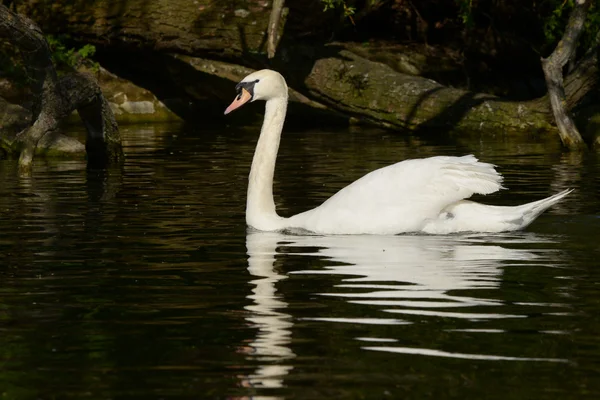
(421, 195)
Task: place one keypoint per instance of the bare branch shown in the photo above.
(553, 65)
(273, 29)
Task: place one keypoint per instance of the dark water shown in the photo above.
(143, 282)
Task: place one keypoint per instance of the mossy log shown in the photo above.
(375, 92)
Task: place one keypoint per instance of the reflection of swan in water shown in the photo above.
(271, 343)
(413, 271)
(422, 275)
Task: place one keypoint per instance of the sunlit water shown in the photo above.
(143, 282)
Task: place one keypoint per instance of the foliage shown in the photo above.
(554, 16)
(465, 12)
(554, 25)
(65, 57)
(333, 4)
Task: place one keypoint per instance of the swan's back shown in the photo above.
(401, 197)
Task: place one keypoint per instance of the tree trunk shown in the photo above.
(56, 98)
(553, 66)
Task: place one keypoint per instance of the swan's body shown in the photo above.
(421, 195)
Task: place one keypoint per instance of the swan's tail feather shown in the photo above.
(531, 211)
(470, 216)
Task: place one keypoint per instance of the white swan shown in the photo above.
(421, 195)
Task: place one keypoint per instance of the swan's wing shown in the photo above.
(401, 197)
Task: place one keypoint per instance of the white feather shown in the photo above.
(402, 197)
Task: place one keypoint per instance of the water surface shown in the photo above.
(143, 281)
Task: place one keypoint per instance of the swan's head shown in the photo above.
(265, 85)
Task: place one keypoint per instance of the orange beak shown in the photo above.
(239, 101)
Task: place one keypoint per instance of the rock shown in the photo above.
(131, 103)
(13, 117)
(57, 145)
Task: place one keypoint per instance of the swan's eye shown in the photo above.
(249, 86)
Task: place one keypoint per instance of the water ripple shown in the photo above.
(439, 353)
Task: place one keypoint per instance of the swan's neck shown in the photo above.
(260, 206)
